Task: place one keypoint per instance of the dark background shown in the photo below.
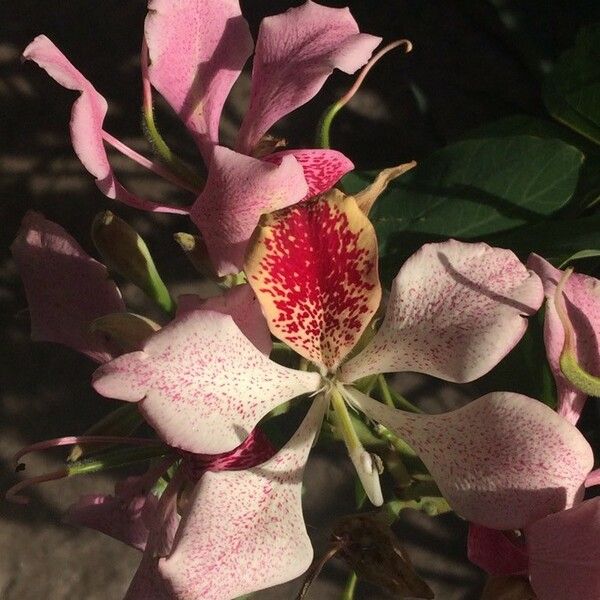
(473, 62)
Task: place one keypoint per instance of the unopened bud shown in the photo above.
(126, 331)
(126, 253)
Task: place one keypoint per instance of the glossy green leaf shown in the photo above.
(572, 90)
(470, 190)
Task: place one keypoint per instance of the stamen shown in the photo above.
(327, 118)
(12, 494)
(84, 439)
(148, 164)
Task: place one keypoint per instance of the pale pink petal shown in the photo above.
(119, 516)
(295, 53)
(66, 289)
(322, 168)
(245, 530)
(455, 310)
(238, 190)
(87, 118)
(502, 461)
(241, 303)
(564, 553)
(582, 299)
(201, 383)
(197, 50)
(494, 552)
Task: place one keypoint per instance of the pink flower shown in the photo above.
(455, 310)
(197, 50)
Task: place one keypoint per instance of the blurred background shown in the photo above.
(474, 61)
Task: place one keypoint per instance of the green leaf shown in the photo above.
(579, 256)
(470, 190)
(572, 90)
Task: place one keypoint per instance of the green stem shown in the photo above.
(117, 458)
(393, 398)
(344, 420)
(348, 593)
(385, 391)
(324, 127)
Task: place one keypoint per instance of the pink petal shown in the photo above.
(66, 289)
(322, 168)
(502, 461)
(295, 53)
(564, 553)
(201, 383)
(197, 50)
(454, 312)
(494, 552)
(244, 530)
(238, 190)
(313, 268)
(118, 516)
(582, 298)
(239, 302)
(87, 118)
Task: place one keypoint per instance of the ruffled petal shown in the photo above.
(564, 553)
(502, 461)
(582, 299)
(322, 168)
(241, 303)
(197, 51)
(66, 289)
(201, 383)
(238, 190)
(494, 552)
(244, 530)
(295, 53)
(313, 268)
(455, 310)
(87, 118)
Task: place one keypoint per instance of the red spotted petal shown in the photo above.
(322, 168)
(314, 270)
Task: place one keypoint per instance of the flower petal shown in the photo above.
(118, 516)
(197, 51)
(238, 190)
(454, 312)
(244, 530)
(502, 461)
(582, 299)
(201, 383)
(313, 268)
(87, 118)
(564, 554)
(66, 289)
(322, 168)
(494, 552)
(241, 303)
(295, 53)
(148, 584)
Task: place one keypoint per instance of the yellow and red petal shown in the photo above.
(313, 268)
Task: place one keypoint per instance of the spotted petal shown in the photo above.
(244, 530)
(295, 53)
(314, 269)
(454, 312)
(239, 302)
(322, 168)
(197, 50)
(201, 383)
(66, 289)
(87, 118)
(582, 299)
(238, 190)
(564, 554)
(502, 461)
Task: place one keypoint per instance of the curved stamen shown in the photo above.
(12, 494)
(84, 439)
(148, 164)
(331, 112)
